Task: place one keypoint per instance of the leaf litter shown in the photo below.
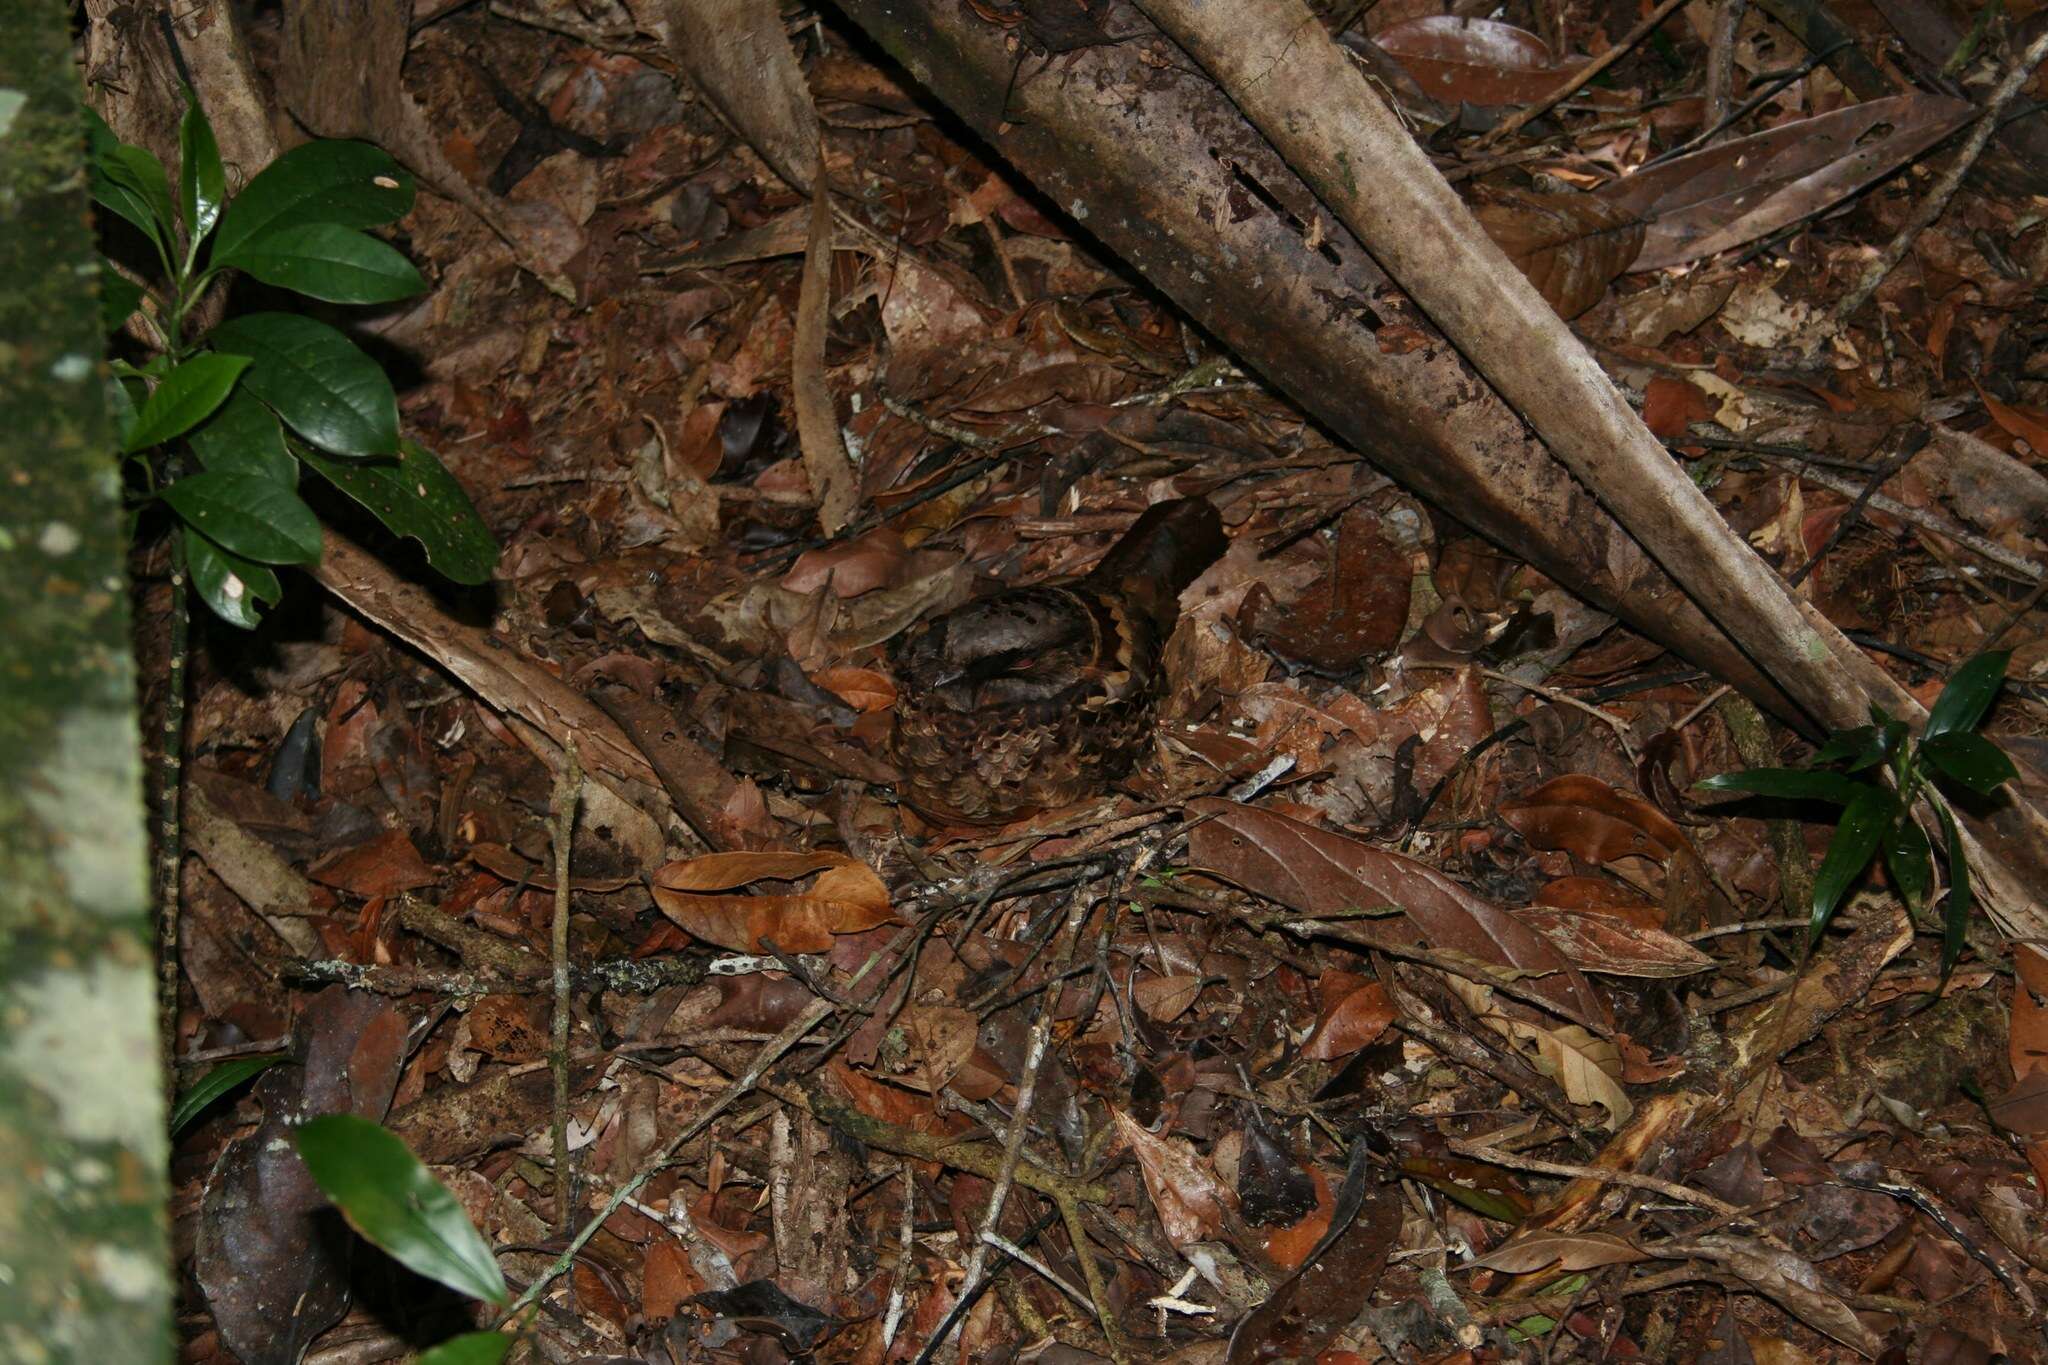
(1403, 1005)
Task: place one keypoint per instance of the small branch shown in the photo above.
(568, 783)
(1669, 1189)
(170, 790)
(1516, 121)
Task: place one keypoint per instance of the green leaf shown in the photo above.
(216, 1083)
(128, 181)
(1797, 784)
(202, 184)
(350, 183)
(229, 584)
(122, 401)
(119, 297)
(248, 515)
(395, 1202)
(416, 496)
(244, 437)
(328, 261)
(1907, 859)
(318, 380)
(1968, 695)
(1862, 828)
(1955, 908)
(1967, 757)
(471, 1348)
(183, 399)
(1864, 743)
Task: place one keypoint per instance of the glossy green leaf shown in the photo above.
(1955, 907)
(350, 183)
(124, 400)
(234, 589)
(119, 297)
(215, 1083)
(1967, 757)
(471, 1348)
(202, 183)
(1909, 862)
(1862, 743)
(1968, 695)
(318, 380)
(248, 515)
(329, 261)
(415, 495)
(391, 1199)
(244, 437)
(128, 181)
(1862, 828)
(1796, 784)
(183, 399)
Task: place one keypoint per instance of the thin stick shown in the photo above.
(1944, 188)
(1514, 122)
(568, 783)
(770, 1053)
(1493, 1156)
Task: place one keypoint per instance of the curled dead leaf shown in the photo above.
(846, 897)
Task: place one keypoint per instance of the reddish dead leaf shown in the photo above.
(1353, 613)
(1309, 1308)
(1166, 997)
(850, 568)
(1477, 61)
(1601, 896)
(2027, 1034)
(1600, 942)
(1355, 1013)
(1319, 874)
(1288, 1247)
(1671, 404)
(1592, 821)
(864, 689)
(667, 1280)
(520, 870)
(2021, 423)
(385, 866)
(846, 898)
(1570, 246)
(1189, 1198)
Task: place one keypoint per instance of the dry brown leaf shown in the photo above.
(1592, 821)
(1570, 246)
(846, 898)
(1190, 1199)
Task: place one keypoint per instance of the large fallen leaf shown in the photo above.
(1477, 61)
(846, 898)
(1723, 196)
(1336, 1279)
(1570, 246)
(1592, 821)
(1562, 1251)
(1612, 945)
(1586, 1068)
(1185, 1191)
(1322, 874)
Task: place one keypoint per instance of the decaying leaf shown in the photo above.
(845, 898)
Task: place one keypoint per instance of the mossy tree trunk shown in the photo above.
(84, 1265)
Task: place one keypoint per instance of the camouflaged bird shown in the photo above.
(1035, 698)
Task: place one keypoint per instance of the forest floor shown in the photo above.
(1314, 1036)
